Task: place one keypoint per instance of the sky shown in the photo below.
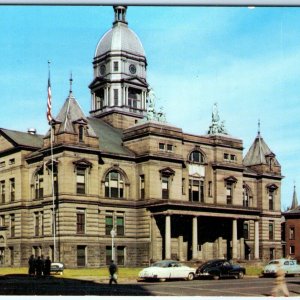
(245, 60)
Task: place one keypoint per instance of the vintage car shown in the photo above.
(290, 266)
(57, 268)
(219, 268)
(167, 269)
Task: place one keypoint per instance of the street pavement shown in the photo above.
(247, 287)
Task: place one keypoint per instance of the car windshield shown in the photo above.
(162, 264)
(273, 262)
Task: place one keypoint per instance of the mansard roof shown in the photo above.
(258, 153)
(18, 138)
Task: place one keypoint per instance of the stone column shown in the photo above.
(168, 237)
(220, 247)
(242, 248)
(180, 248)
(234, 239)
(256, 240)
(153, 242)
(195, 239)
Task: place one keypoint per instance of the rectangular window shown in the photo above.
(292, 249)
(12, 225)
(80, 133)
(161, 146)
(292, 233)
(116, 97)
(210, 189)
(80, 181)
(11, 161)
(12, 189)
(229, 193)
(165, 187)
(246, 230)
(2, 164)
(2, 257)
(2, 191)
(120, 225)
(80, 215)
(142, 186)
(226, 156)
(120, 255)
(232, 157)
(196, 190)
(108, 254)
(271, 230)
(36, 224)
(81, 256)
(271, 200)
(108, 224)
(116, 66)
(169, 147)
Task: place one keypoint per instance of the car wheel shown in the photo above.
(240, 275)
(190, 277)
(216, 277)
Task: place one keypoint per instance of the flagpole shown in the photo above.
(49, 115)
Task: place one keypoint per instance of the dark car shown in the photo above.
(219, 268)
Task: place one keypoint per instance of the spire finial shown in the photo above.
(71, 81)
(258, 125)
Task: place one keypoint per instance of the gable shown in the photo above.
(5, 144)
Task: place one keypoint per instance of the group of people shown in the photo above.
(38, 266)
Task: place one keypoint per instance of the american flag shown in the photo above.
(49, 104)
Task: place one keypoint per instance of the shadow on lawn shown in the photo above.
(21, 284)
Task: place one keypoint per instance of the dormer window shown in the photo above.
(80, 133)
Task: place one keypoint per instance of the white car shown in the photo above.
(290, 267)
(167, 269)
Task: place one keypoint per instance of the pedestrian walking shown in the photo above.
(31, 265)
(280, 284)
(43, 264)
(113, 269)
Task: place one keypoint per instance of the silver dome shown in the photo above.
(120, 38)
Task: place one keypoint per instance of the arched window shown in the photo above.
(39, 184)
(271, 195)
(114, 185)
(247, 197)
(196, 157)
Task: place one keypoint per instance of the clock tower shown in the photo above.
(119, 89)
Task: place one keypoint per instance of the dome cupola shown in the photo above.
(119, 86)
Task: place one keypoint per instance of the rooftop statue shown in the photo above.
(152, 114)
(216, 127)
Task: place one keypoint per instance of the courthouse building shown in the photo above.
(166, 193)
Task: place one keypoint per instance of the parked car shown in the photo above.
(290, 266)
(57, 268)
(219, 268)
(167, 269)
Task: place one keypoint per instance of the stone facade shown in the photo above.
(166, 193)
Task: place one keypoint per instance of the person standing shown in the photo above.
(280, 284)
(47, 267)
(31, 265)
(113, 269)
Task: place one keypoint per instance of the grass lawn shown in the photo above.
(129, 273)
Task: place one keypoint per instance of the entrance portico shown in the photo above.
(201, 236)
